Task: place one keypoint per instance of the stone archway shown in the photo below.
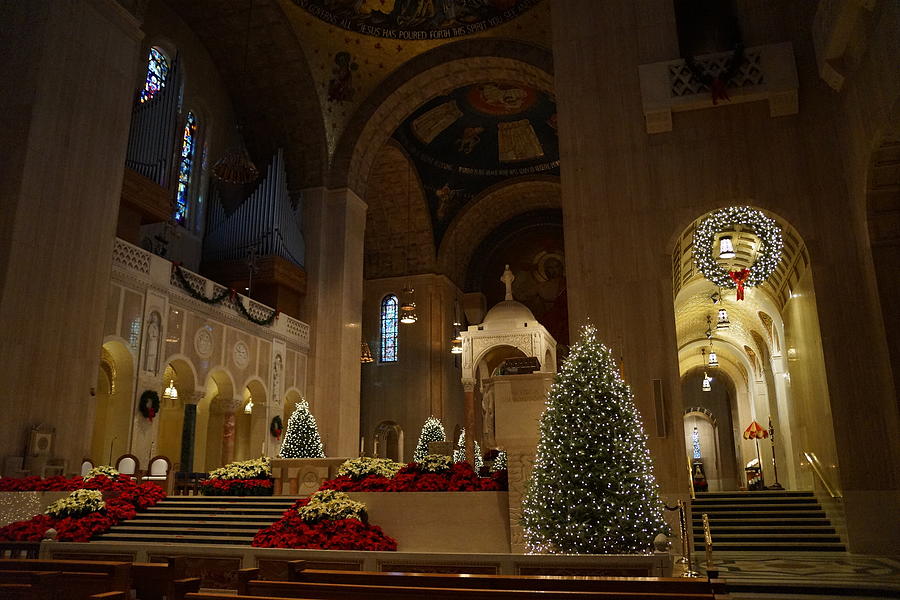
(113, 403)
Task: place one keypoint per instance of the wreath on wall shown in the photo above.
(149, 405)
(717, 82)
(276, 427)
(766, 261)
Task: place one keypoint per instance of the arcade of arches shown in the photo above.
(428, 163)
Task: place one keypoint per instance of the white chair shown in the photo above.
(127, 464)
(160, 472)
(86, 465)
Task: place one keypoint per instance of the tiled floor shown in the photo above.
(822, 575)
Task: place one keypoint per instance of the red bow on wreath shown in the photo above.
(278, 434)
(739, 278)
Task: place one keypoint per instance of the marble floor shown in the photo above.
(806, 575)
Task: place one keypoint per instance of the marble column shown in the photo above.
(189, 430)
(69, 73)
(469, 411)
(334, 224)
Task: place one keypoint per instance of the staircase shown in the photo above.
(201, 520)
(764, 521)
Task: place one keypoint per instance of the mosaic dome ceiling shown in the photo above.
(416, 19)
(475, 137)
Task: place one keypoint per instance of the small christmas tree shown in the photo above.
(500, 462)
(459, 455)
(301, 439)
(592, 490)
(432, 431)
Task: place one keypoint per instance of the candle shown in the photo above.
(362, 445)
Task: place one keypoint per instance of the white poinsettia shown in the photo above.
(257, 468)
(357, 468)
(102, 470)
(76, 504)
(331, 505)
(435, 463)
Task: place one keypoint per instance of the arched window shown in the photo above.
(157, 71)
(389, 322)
(185, 168)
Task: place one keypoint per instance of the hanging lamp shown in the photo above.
(713, 358)
(408, 295)
(248, 408)
(235, 166)
(365, 353)
(170, 392)
(726, 247)
(722, 321)
(707, 383)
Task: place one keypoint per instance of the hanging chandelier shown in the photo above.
(365, 353)
(456, 346)
(235, 167)
(722, 322)
(171, 393)
(713, 358)
(726, 247)
(707, 383)
(408, 306)
(248, 408)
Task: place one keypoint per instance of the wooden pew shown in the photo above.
(20, 591)
(63, 585)
(155, 581)
(673, 585)
(118, 573)
(335, 591)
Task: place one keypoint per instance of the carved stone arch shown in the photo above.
(424, 77)
(489, 210)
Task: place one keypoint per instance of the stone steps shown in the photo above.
(201, 520)
(764, 521)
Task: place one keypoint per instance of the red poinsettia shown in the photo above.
(123, 497)
(237, 487)
(460, 477)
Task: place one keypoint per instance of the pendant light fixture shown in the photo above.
(365, 353)
(456, 340)
(171, 393)
(235, 166)
(726, 247)
(248, 408)
(408, 295)
(722, 322)
(707, 383)
(713, 358)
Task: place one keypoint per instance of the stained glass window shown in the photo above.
(695, 442)
(157, 70)
(389, 321)
(185, 168)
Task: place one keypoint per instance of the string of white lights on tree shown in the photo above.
(592, 490)
(432, 431)
(768, 256)
(301, 439)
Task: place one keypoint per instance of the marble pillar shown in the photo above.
(334, 224)
(69, 72)
(188, 432)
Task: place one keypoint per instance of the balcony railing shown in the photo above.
(766, 73)
(136, 263)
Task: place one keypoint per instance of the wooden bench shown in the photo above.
(341, 591)
(671, 585)
(296, 571)
(64, 584)
(86, 578)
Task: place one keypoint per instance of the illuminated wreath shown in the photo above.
(276, 427)
(769, 255)
(149, 405)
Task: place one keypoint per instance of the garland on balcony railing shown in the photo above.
(717, 83)
(220, 297)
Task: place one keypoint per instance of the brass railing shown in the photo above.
(707, 539)
(813, 461)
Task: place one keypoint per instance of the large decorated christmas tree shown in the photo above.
(592, 490)
(301, 439)
(432, 431)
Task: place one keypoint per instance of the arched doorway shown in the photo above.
(250, 422)
(389, 441)
(768, 345)
(213, 412)
(113, 403)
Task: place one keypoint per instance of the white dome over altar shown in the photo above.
(508, 314)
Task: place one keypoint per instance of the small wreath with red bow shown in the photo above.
(149, 405)
(768, 256)
(276, 427)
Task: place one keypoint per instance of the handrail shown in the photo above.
(707, 538)
(813, 461)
